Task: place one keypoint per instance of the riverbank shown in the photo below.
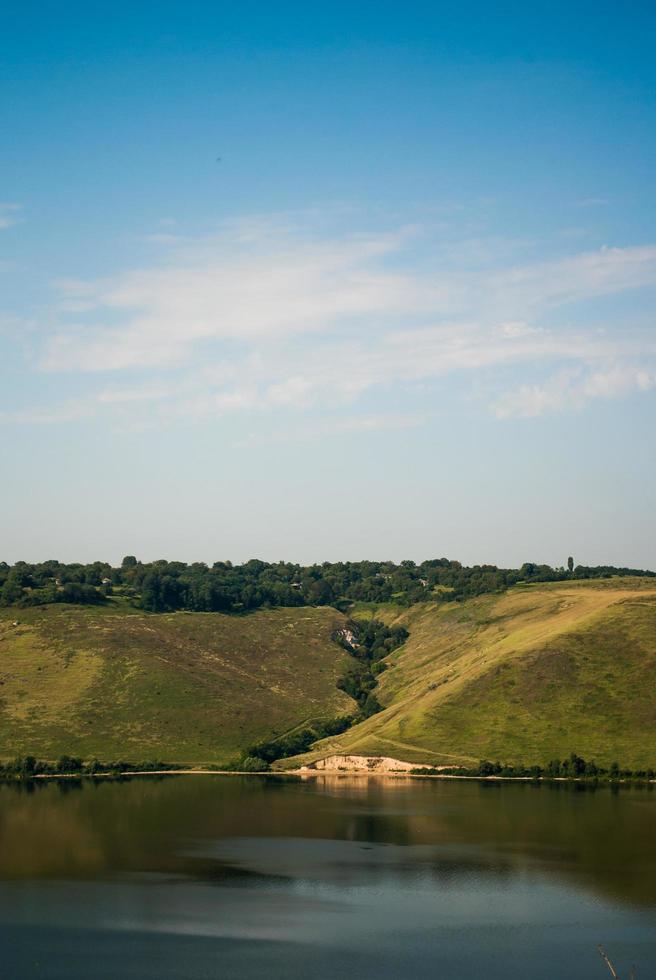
(574, 769)
(332, 775)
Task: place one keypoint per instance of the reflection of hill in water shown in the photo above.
(333, 830)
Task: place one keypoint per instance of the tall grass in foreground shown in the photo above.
(611, 968)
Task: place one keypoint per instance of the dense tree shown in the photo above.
(12, 590)
(164, 586)
(366, 641)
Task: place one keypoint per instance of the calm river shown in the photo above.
(231, 876)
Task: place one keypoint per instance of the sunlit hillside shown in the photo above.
(527, 676)
(115, 683)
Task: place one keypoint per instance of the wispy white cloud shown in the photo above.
(9, 214)
(592, 202)
(162, 238)
(382, 422)
(142, 393)
(337, 373)
(240, 286)
(49, 414)
(322, 427)
(573, 388)
(266, 315)
(583, 276)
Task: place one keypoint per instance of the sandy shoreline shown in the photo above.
(241, 772)
(314, 774)
(303, 773)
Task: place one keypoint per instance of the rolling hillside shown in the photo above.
(112, 682)
(533, 674)
(527, 676)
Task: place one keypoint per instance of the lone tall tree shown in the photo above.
(570, 563)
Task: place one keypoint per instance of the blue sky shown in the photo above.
(408, 313)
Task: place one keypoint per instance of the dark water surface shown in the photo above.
(230, 876)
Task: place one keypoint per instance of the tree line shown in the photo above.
(258, 759)
(574, 767)
(166, 586)
(30, 767)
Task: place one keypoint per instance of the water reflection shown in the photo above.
(369, 866)
(85, 828)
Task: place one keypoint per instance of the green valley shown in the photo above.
(522, 676)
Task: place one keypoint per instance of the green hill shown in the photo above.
(528, 676)
(115, 683)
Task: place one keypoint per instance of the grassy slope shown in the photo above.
(116, 683)
(531, 675)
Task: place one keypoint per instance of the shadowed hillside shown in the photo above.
(531, 675)
(186, 688)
